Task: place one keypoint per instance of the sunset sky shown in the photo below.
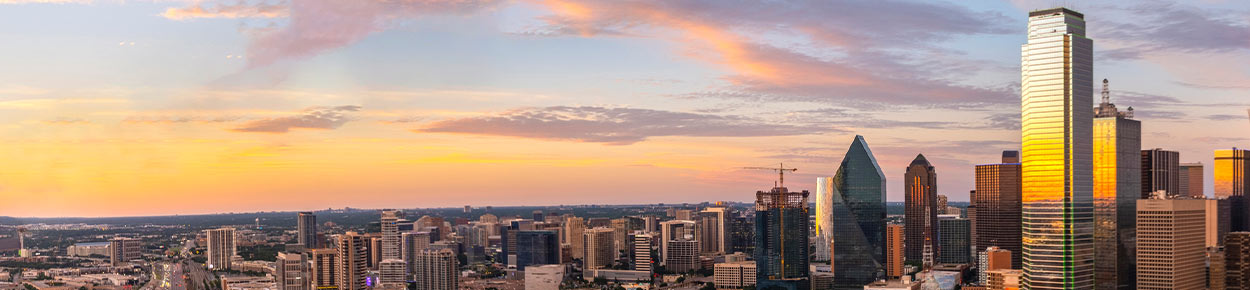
(118, 108)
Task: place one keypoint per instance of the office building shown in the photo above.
(742, 235)
(858, 219)
(921, 211)
(1119, 166)
(954, 236)
(781, 240)
(674, 230)
(1160, 172)
(992, 258)
(1237, 260)
(1217, 221)
(390, 235)
(599, 247)
(537, 248)
(716, 229)
(323, 268)
(306, 226)
(1216, 268)
(411, 244)
(1004, 279)
(289, 270)
(544, 277)
(1231, 182)
(682, 256)
(574, 232)
(620, 231)
(640, 251)
(734, 275)
(353, 263)
(824, 220)
(997, 203)
(437, 270)
(894, 251)
(122, 250)
(1171, 245)
(1056, 134)
(1191, 182)
(220, 248)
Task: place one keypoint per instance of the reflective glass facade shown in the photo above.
(1117, 186)
(858, 219)
(824, 219)
(1056, 126)
(997, 204)
(920, 204)
(781, 240)
(1230, 182)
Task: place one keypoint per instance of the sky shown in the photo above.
(123, 108)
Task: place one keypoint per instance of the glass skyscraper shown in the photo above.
(824, 219)
(858, 219)
(1231, 182)
(997, 204)
(1118, 174)
(1056, 89)
(920, 212)
(781, 249)
(537, 248)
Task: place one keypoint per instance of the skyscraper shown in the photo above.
(324, 269)
(220, 248)
(288, 271)
(306, 225)
(352, 262)
(1118, 173)
(781, 237)
(682, 256)
(437, 270)
(1056, 127)
(390, 235)
(824, 220)
(716, 228)
(599, 246)
(674, 230)
(574, 229)
(858, 219)
(411, 244)
(640, 251)
(1217, 221)
(997, 204)
(1191, 184)
(954, 237)
(1231, 180)
(537, 248)
(1237, 260)
(1170, 244)
(1160, 172)
(921, 211)
(894, 251)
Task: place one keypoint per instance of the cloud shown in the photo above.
(311, 118)
(615, 126)
(1006, 121)
(1156, 26)
(46, 1)
(1225, 117)
(178, 119)
(66, 121)
(222, 10)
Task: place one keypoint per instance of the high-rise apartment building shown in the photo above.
(682, 256)
(1191, 182)
(600, 248)
(390, 235)
(781, 239)
(1118, 171)
(954, 237)
(437, 270)
(1056, 133)
(289, 271)
(411, 244)
(1171, 244)
(674, 230)
(122, 250)
(997, 203)
(894, 251)
(1237, 260)
(353, 261)
(1231, 182)
(640, 251)
(537, 248)
(324, 268)
(306, 226)
(715, 228)
(574, 233)
(392, 274)
(1160, 172)
(220, 248)
(992, 258)
(858, 219)
(921, 211)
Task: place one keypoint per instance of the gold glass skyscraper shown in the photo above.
(1231, 182)
(1056, 126)
(1118, 177)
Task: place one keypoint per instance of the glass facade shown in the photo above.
(953, 236)
(781, 240)
(1056, 126)
(920, 211)
(858, 219)
(1160, 171)
(537, 248)
(1230, 182)
(1117, 186)
(824, 219)
(997, 203)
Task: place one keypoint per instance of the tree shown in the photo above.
(601, 281)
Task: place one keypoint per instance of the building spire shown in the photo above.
(1106, 92)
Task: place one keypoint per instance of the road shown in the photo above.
(196, 275)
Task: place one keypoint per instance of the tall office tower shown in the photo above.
(437, 270)
(992, 258)
(674, 230)
(824, 220)
(1216, 268)
(537, 248)
(620, 231)
(353, 261)
(742, 234)
(289, 269)
(306, 224)
(122, 250)
(894, 251)
(997, 202)
(954, 240)
(1056, 133)
(1191, 180)
(324, 269)
(640, 251)
(1119, 166)
(220, 248)
(599, 248)
(1237, 260)
(682, 256)
(1231, 180)
(716, 227)
(1160, 172)
(921, 211)
(574, 229)
(1171, 247)
(390, 235)
(781, 241)
(393, 274)
(411, 243)
(858, 218)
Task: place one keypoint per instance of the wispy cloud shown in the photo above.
(615, 126)
(311, 118)
(224, 10)
(1161, 26)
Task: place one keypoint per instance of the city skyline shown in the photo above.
(236, 107)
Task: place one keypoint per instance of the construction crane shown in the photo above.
(781, 172)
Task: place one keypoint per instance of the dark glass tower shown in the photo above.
(858, 219)
(781, 245)
(997, 203)
(954, 236)
(537, 248)
(921, 211)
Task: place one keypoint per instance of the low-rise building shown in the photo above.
(735, 275)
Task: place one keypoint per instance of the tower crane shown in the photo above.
(781, 172)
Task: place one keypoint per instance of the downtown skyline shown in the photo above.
(503, 102)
